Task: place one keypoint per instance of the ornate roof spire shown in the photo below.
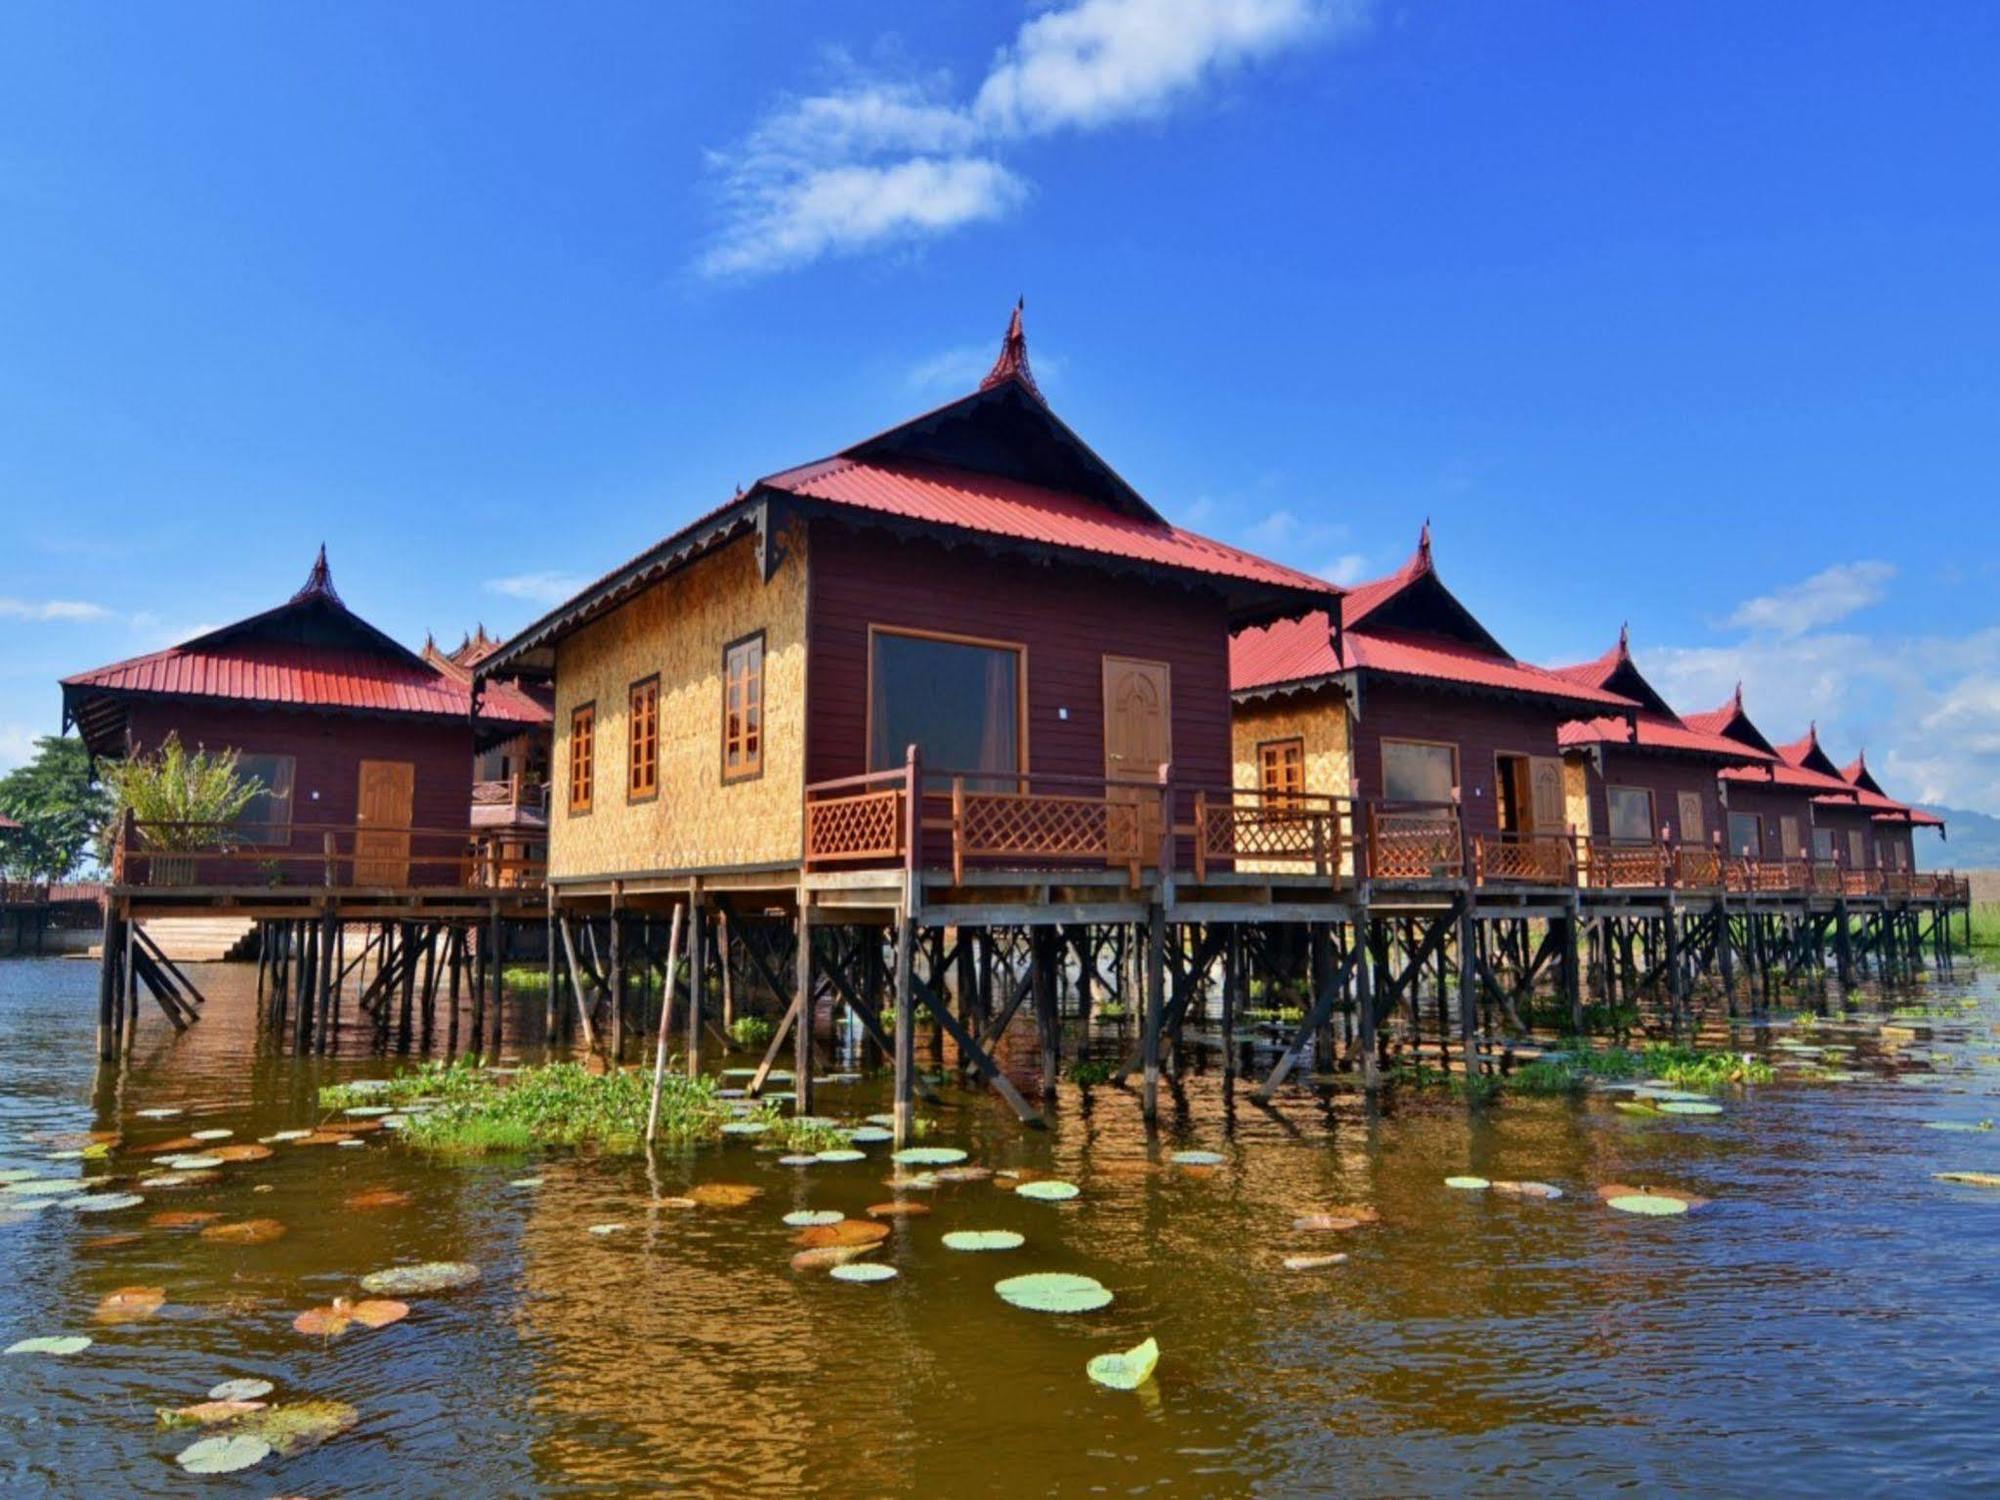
(1013, 361)
(1736, 702)
(1422, 562)
(1625, 640)
(319, 582)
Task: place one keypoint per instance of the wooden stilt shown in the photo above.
(905, 1040)
(666, 1013)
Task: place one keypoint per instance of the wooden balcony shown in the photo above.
(1523, 859)
(1415, 841)
(517, 793)
(1619, 864)
(179, 856)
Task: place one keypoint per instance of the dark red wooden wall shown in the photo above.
(1666, 777)
(1770, 804)
(1070, 618)
(1481, 727)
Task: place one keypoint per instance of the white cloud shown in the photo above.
(17, 745)
(1346, 570)
(1925, 708)
(50, 610)
(537, 588)
(1826, 598)
(877, 162)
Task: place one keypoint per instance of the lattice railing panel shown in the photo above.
(1276, 834)
(1614, 866)
(1544, 861)
(866, 826)
(1037, 827)
(1410, 848)
(1699, 869)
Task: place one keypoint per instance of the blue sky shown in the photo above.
(1682, 314)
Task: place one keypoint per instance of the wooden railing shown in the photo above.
(55, 893)
(1415, 841)
(1291, 833)
(1612, 864)
(163, 854)
(514, 791)
(1697, 868)
(1523, 858)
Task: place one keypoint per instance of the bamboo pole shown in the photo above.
(666, 1010)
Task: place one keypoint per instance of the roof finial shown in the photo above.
(1625, 639)
(1737, 700)
(1423, 559)
(1013, 361)
(319, 582)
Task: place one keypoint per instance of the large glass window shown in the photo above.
(1746, 835)
(1823, 844)
(1418, 771)
(959, 702)
(268, 818)
(1631, 813)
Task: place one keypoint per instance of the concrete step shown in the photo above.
(201, 940)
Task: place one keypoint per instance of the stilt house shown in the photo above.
(1651, 804)
(351, 736)
(976, 583)
(1404, 699)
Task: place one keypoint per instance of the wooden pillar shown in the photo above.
(1468, 987)
(905, 1039)
(802, 1028)
(1572, 966)
(1677, 984)
(552, 1006)
(1232, 985)
(1725, 953)
(107, 981)
(496, 939)
(1364, 997)
(697, 968)
(1843, 947)
(615, 949)
(1042, 958)
(1155, 1000)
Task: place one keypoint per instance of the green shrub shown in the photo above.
(750, 1031)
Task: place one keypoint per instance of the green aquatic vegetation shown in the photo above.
(1546, 1079)
(525, 979)
(1054, 1292)
(1703, 1068)
(750, 1031)
(808, 1135)
(472, 1111)
(1088, 1073)
(1110, 1010)
(1126, 1370)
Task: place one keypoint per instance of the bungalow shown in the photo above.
(1648, 779)
(1767, 801)
(346, 731)
(975, 582)
(1400, 696)
(1894, 821)
(510, 778)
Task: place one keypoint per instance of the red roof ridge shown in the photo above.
(1013, 361)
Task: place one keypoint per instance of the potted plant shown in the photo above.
(182, 804)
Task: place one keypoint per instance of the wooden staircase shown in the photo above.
(203, 940)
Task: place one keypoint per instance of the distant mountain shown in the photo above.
(1973, 841)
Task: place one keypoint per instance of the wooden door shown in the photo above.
(382, 818)
(1138, 746)
(1545, 794)
(1691, 820)
(1788, 838)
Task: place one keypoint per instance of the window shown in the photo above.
(958, 701)
(1281, 770)
(743, 709)
(1823, 844)
(1746, 835)
(1631, 810)
(1788, 838)
(267, 819)
(582, 750)
(642, 741)
(1419, 771)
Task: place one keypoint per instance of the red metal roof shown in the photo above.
(1653, 733)
(1365, 598)
(998, 506)
(302, 676)
(1302, 650)
(7, 824)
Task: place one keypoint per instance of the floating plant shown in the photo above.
(1127, 1370)
(1054, 1292)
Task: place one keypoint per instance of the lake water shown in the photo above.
(1829, 1324)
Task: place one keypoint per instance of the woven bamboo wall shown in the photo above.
(1320, 720)
(1576, 794)
(678, 628)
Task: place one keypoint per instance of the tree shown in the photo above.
(60, 807)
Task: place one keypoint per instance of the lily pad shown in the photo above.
(1959, 1125)
(604, 1230)
(1468, 1184)
(246, 1232)
(44, 1187)
(1054, 1292)
(928, 1156)
(839, 1154)
(210, 1135)
(180, 1218)
(368, 1111)
(846, 1232)
(155, 1114)
(862, 1271)
(374, 1198)
(280, 1137)
(898, 1210)
(1635, 1107)
(1652, 1205)
(724, 1194)
(1185, 1159)
(1689, 1107)
(1314, 1262)
(1125, 1371)
(961, 1174)
(67, 1343)
(745, 1127)
(341, 1315)
(193, 1162)
(870, 1135)
(1325, 1223)
(206, 1413)
(1970, 1179)
(249, 1388)
(430, 1276)
(526, 1182)
(131, 1304)
(809, 1218)
(983, 1239)
(295, 1425)
(103, 1203)
(825, 1257)
(223, 1455)
(1048, 1190)
(1528, 1190)
(244, 1152)
(798, 1159)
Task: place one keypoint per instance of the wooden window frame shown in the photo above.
(634, 797)
(1019, 648)
(756, 772)
(587, 762)
(1457, 763)
(274, 835)
(1652, 813)
(1267, 796)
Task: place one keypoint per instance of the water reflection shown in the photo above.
(1833, 1305)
